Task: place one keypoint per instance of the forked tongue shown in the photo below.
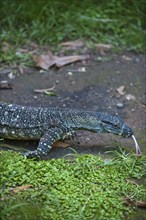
(138, 151)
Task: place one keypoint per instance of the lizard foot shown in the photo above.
(31, 154)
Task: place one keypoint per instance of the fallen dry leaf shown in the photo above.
(44, 61)
(72, 45)
(21, 188)
(136, 203)
(131, 181)
(48, 91)
(44, 90)
(4, 84)
(103, 48)
(48, 60)
(21, 69)
(120, 90)
(127, 58)
(62, 61)
(61, 144)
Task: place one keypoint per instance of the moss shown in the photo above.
(85, 187)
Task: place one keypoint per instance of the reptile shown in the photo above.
(49, 125)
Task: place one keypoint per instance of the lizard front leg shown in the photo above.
(45, 144)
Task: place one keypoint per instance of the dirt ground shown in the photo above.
(88, 85)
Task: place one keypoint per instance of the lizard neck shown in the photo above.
(85, 120)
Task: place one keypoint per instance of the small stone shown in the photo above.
(70, 73)
(99, 58)
(82, 69)
(130, 97)
(42, 71)
(120, 105)
(137, 60)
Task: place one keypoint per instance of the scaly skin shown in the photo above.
(51, 124)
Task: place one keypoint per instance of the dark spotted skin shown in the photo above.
(51, 124)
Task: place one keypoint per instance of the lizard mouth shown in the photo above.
(126, 131)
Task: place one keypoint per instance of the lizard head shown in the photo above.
(115, 125)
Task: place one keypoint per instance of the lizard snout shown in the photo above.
(126, 131)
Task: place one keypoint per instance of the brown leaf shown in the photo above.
(4, 84)
(103, 48)
(21, 188)
(131, 181)
(46, 61)
(44, 90)
(136, 203)
(72, 45)
(48, 92)
(62, 61)
(61, 144)
(127, 58)
(21, 69)
(121, 89)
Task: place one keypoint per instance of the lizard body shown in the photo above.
(51, 124)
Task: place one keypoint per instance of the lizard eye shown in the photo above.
(107, 122)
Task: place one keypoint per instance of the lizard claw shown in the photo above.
(31, 154)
